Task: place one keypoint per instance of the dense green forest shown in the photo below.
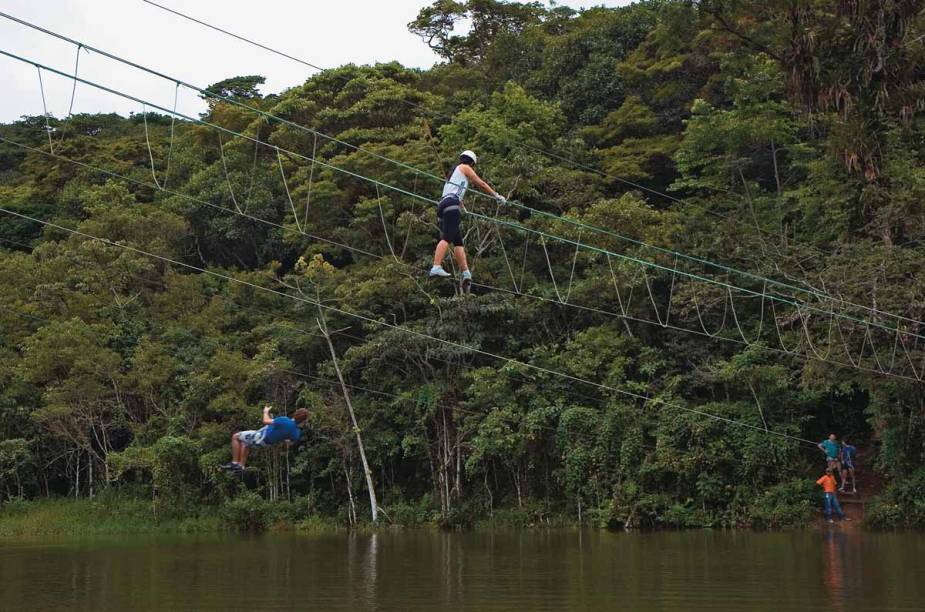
(758, 169)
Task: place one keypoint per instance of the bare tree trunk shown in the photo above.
(288, 482)
(351, 507)
(373, 505)
(446, 463)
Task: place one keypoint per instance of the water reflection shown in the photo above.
(833, 551)
(524, 571)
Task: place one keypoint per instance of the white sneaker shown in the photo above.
(439, 271)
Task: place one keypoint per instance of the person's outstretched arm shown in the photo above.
(478, 182)
(267, 419)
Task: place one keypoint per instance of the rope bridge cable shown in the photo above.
(645, 399)
(519, 292)
(689, 275)
(729, 287)
(400, 190)
(558, 157)
(267, 116)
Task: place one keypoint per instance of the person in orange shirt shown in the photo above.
(829, 486)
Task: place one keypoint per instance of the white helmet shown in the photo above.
(470, 155)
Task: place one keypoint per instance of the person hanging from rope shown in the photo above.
(449, 211)
(274, 431)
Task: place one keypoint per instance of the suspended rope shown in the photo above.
(417, 171)
(658, 317)
(735, 318)
(221, 148)
(722, 324)
(809, 340)
(646, 399)
(385, 229)
(521, 144)
(282, 173)
(250, 187)
(173, 119)
(51, 146)
(571, 277)
(70, 106)
(873, 349)
(355, 250)
(400, 190)
(624, 306)
(780, 336)
(915, 372)
(552, 274)
(507, 262)
(311, 179)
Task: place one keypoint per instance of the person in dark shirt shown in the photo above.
(848, 454)
(274, 431)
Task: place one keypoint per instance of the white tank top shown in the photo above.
(457, 184)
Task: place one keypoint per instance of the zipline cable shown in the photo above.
(562, 219)
(645, 399)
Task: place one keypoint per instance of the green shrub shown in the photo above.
(902, 504)
(786, 504)
(247, 512)
(409, 514)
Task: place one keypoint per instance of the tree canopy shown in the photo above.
(783, 139)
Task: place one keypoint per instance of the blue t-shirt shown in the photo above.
(848, 452)
(831, 448)
(282, 428)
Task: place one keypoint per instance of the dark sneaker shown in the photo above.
(231, 466)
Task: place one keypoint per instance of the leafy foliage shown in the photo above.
(793, 152)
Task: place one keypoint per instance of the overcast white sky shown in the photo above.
(324, 32)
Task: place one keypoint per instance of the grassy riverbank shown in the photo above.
(113, 513)
(100, 516)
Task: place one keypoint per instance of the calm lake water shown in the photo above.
(528, 570)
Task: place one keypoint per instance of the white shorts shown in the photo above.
(253, 438)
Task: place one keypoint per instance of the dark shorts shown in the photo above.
(449, 213)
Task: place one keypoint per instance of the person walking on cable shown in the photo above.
(449, 211)
(274, 431)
